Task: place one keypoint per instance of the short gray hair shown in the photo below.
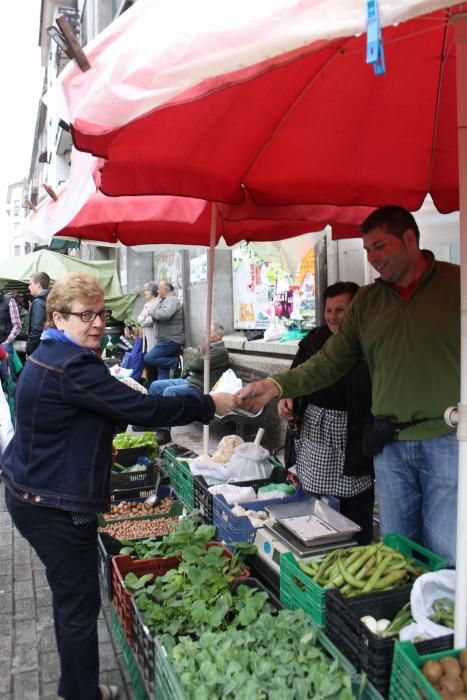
(151, 287)
(217, 328)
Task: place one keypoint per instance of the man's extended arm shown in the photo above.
(340, 353)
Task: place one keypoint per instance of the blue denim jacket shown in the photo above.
(67, 408)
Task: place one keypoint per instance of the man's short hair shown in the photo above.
(169, 286)
(217, 328)
(41, 278)
(393, 219)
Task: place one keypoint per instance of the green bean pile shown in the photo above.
(357, 570)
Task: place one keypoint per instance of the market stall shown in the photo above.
(189, 576)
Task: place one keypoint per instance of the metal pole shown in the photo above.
(460, 627)
(207, 362)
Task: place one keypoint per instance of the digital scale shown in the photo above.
(309, 529)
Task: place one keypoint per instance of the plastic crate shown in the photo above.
(143, 645)
(137, 684)
(298, 590)
(238, 528)
(124, 564)
(107, 548)
(167, 686)
(365, 650)
(180, 477)
(127, 456)
(407, 680)
(175, 510)
(121, 566)
(124, 481)
(203, 499)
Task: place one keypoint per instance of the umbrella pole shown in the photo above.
(207, 362)
(460, 627)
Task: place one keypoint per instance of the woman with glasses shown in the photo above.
(56, 468)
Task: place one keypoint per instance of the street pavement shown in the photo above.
(28, 654)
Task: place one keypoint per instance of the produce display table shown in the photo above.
(379, 668)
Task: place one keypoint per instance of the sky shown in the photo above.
(21, 86)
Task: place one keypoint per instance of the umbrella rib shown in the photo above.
(291, 107)
(445, 54)
(341, 50)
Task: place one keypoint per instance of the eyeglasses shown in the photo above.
(88, 316)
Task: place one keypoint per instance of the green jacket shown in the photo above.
(412, 350)
(219, 362)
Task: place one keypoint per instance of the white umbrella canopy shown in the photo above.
(211, 47)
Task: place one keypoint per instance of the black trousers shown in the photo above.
(360, 509)
(69, 553)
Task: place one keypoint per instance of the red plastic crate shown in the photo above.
(124, 564)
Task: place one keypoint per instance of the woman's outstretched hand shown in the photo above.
(224, 402)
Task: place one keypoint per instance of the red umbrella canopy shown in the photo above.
(319, 129)
(186, 221)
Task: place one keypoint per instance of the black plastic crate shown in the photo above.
(203, 500)
(142, 643)
(144, 478)
(127, 456)
(365, 650)
(107, 547)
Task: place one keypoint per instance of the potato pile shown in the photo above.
(132, 530)
(131, 509)
(448, 676)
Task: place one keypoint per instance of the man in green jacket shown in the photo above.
(407, 327)
(192, 384)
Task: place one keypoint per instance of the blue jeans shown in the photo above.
(164, 356)
(416, 488)
(173, 387)
(69, 553)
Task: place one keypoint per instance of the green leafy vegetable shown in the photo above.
(122, 441)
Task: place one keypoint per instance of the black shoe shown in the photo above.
(142, 429)
(163, 437)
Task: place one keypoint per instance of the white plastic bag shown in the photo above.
(249, 462)
(6, 426)
(227, 382)
(426, 589)
(234, 494)
(213, 472)
(274, 332)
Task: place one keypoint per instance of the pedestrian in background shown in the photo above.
(145, 317)
(10, 323)
(39, 288)
(170, 334)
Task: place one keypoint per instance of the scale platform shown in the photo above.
(313, 522)
(275, 539)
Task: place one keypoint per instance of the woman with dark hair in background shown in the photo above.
(325, 432)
